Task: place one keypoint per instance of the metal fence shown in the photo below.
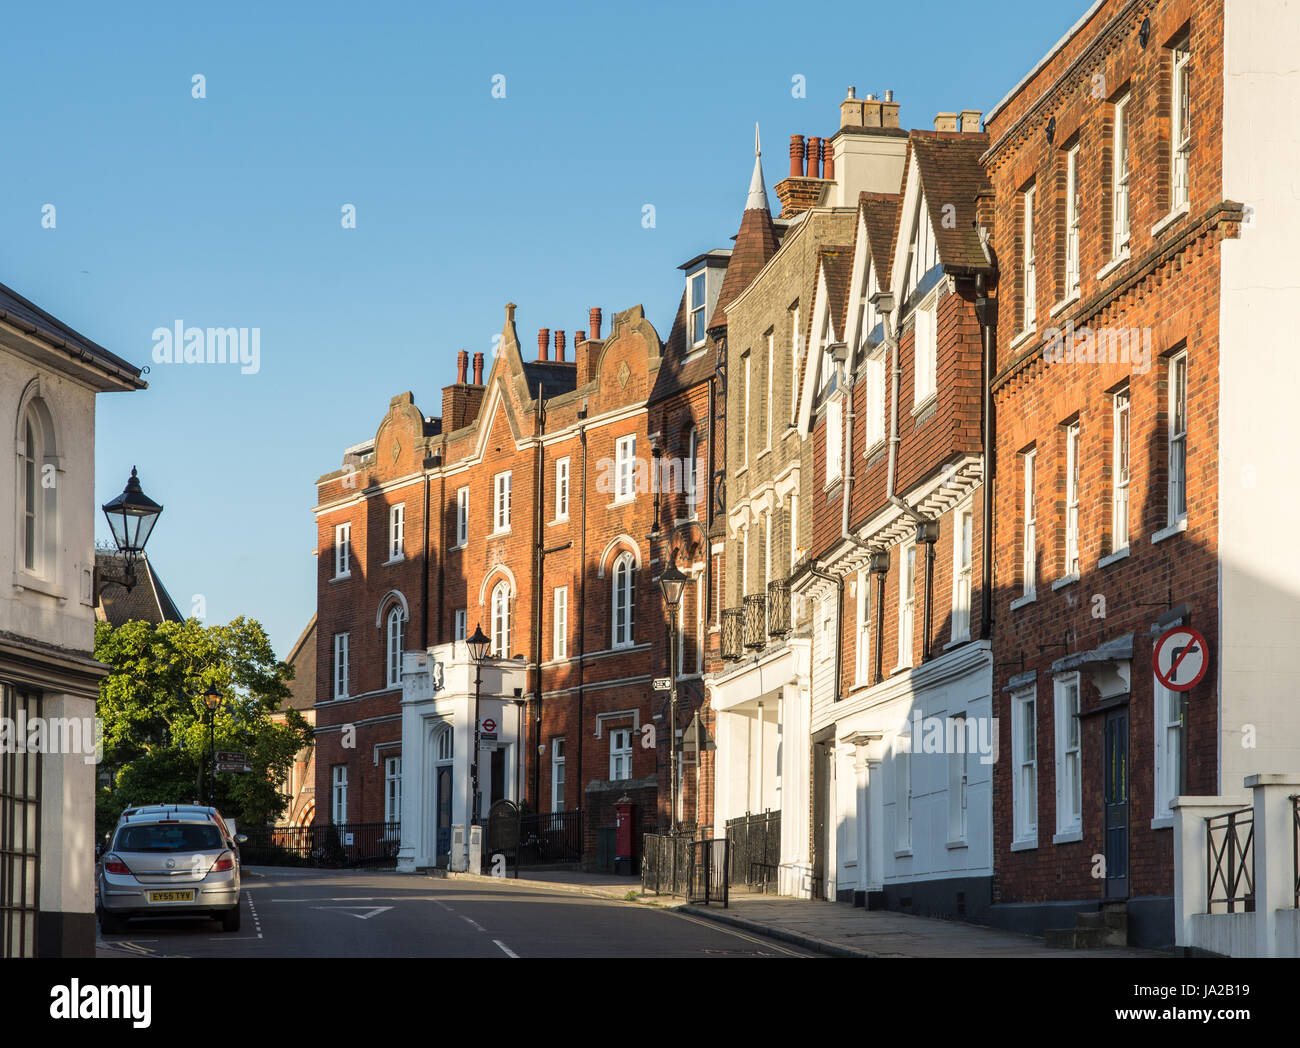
(756, 621)
(778, 607)
(709, 880)
(733, 634)
(372, 844)
(755, 851)
(1230, 861)
(1295, 846)
(674, 864)
(552, 839)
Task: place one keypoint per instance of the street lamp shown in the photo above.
(212, 699)
(672, 582)
(131, 516)
(478, 650)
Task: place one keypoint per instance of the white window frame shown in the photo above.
(959, 781)
(625, 468)
(1121, 201)
(925, 350)
(462, 517)
(392, 789)
(834, 441)
(744, 416)
(796, 359)
(460, 624)
(794, 530)
(690, 474)
(562, 489)
(1072, 468)
(1072, 222)
(343, 551)
(501, 620)
(906, 603)
(501, 502)
(339, 795)
(963, 560)
(560, 623)
(1024, 781)
(862, 673)
(620, 754)
(1121, 469)
(1180, 130)
(557, 774)
(396, 532)
(1069, 755)
(1176, 493)
(771, 360)
(1029, 267)
(903, 793)
(394, 629)
(342, 642)
(696, 318)
(623, 606)
(875, 369)
(1029, 525)
(1168, 749)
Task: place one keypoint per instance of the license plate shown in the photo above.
(187, 896)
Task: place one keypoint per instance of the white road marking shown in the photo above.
(715, 926)
(473, 923)
(371, 911)
(252, 908)
(506, 949)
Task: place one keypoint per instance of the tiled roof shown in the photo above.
(837, 265)
(676, 373)
(30, 317)
(951, 173)
(755, 245)
(302, 657)
(552, 377)
(880, 213)
(147, 601)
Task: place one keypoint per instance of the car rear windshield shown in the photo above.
(156, 837)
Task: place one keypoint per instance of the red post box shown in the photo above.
(625, 837)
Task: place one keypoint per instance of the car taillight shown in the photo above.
(113, 864)
(223, 864)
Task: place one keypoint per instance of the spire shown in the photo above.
(757, 199)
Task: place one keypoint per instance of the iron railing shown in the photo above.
(710, 872)
(552, 839)
(675, 864)
(1230, 861)
(755, 849)
(346, 844)
(755, 621)
(733, 634)
(778, 607)
(1295, 845)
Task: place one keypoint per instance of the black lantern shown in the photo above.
(132, 516)
(672, 582)
(479, 644)
(1144, 32)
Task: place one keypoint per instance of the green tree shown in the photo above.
(156, 722)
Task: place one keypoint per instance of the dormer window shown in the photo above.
(698, 303)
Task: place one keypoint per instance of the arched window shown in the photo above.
(37, 455)
(30, 495)
(396, 629)
(501, 620)
(443, 744)
(624, 599)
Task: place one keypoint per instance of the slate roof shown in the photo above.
(949, 167)
(28, 316)
(835, 268)
(556, 377)
(147, 601)
(755, 245)
(302, 657)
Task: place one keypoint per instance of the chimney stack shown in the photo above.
(889, 111)
(796, 156)
(828, 161)
(593, 321)
(852, 111)
(462, 368)
(945, 122)
(814, 157)
(970, 121)
(478, 369)
(559, 345)
(543, 343)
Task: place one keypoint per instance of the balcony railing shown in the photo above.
(1230, 861)
(778, 608)
(756, 621)
(733, 634)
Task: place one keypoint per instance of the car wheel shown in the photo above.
(230, 920)
(110, 925)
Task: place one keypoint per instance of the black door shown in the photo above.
(444, 815)
(498, 776)
(1115, 813)
(820, 790)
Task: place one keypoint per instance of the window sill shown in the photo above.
(1068, 836)
(626, 500)
(900, 668)
(954, 845)
(38, 585)
(1114, 264)
(560, 520)
(1163, 822)
(1181, 211)
(1020, 602)
(957, 642)
(1065, 303)
(763, 454)
(1022, 338)
(919, 407)
(1169, 532)
(1115, 558)
(393, 560)
(833, 482)
(499, 531)
(903, 853)
(342, 578)
(874, 448)
(1019, 846)
(1061, 583)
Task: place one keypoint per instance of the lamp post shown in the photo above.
(131, 516)
(212, 699)
(478, 649)
(672, 582)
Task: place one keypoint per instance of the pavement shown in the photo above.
(833, 929)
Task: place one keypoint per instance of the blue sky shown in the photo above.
(225, 211)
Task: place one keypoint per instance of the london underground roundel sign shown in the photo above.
(1180, 658)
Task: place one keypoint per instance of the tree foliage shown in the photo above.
(156, 722)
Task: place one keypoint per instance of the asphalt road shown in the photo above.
(330, 913)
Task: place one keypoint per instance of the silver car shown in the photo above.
(172, 864)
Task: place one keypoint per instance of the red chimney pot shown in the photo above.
(796, 156)
(462, 368)
(594, 318)
(559, 345)
(543, 343)
(814, 157)
(478, 369)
